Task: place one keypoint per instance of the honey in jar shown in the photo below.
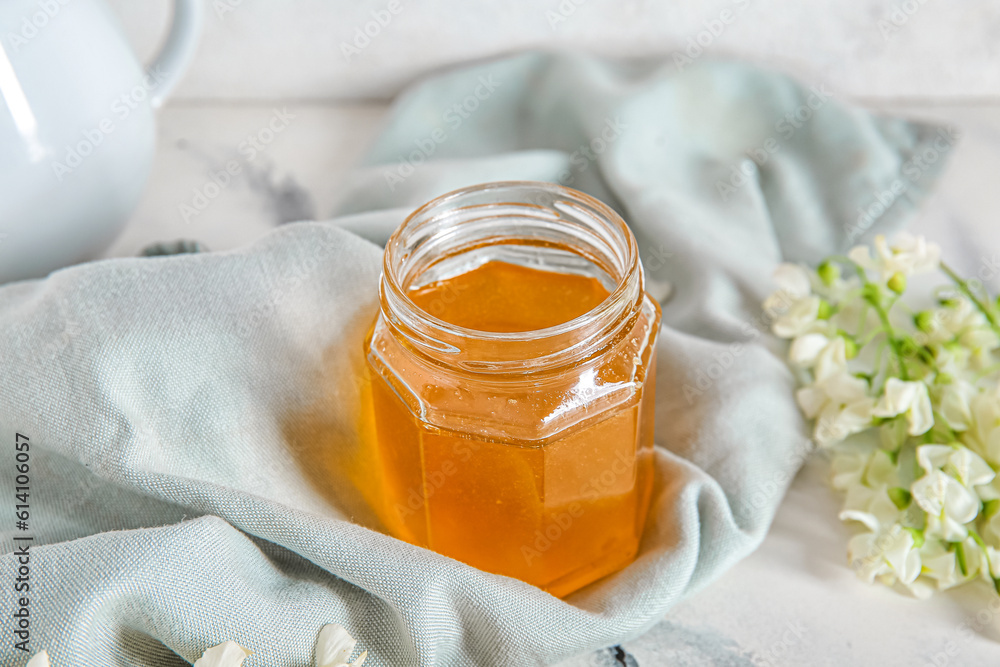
(512, 370)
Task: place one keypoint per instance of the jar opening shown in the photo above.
(540, 226)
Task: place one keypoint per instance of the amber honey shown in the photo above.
(512, 393)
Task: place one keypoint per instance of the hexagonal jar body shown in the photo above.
(526, 453)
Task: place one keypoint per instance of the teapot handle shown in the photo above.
(170, 64)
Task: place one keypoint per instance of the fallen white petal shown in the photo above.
(41, 659)
(334, 646)
(226, 654)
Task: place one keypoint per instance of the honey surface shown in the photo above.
(559, 515)
(503, 297)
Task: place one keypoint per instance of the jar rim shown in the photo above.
(434, 336)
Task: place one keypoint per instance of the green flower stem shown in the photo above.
(862, 321)
(894, 343)
(963, 285)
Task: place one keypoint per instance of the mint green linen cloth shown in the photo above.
(188, 416)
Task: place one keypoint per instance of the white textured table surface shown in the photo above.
(794, 601)
(298, 49)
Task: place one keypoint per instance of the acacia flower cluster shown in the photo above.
(904, 393)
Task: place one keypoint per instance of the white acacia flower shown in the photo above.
(826, 356)
(800, 318)
(334, 647)
(963, 321)
(848, 468)
(910, 398)
(888, 554)
(226, 654)
(831, 360)
(989, 526)
(993, 562)
(965, 465)
(840, 405)
(40, 659)
(948, 504)
(954, 404)
(869, 506)
(942, 563)
(984, 435)
(954, 360)
(829, 319)
(806, 348)
(793, 284)
(990, 491)
(907, 256)
(793, 280)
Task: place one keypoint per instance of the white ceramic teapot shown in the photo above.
(77, 132)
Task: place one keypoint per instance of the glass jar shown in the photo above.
(526, 452)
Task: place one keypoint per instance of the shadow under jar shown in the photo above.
(512, 370)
